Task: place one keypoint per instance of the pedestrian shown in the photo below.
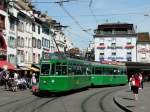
(135, 85)
(4, 78)
(15, 82)
(34, 83)
(141, 80)
(130, 82)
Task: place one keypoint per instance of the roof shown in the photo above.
(115, 25)
(143, 37)
(23, 5)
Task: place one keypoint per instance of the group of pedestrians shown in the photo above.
(15, 82)
(136, 83)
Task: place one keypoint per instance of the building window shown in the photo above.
(2, 22)
(11, 42)
(101, 44)
(20, 26)
(42, 41)
(3, 4)
(101, 54)
(129, 58)
(48, 44)
(39, 43)
(113, 53)
(39, 30)
(22, 42)
(34, 58)
(18, 41)
(129, 53)
(33, 42)
(20, 56)
(12, 24)
(12, 58)
(113, 44)
(33, 27)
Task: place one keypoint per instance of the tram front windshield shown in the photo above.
(45, 68)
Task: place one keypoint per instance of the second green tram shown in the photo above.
(108, 74)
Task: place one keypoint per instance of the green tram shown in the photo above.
(64, 74)
(60, 74)
(108, 74)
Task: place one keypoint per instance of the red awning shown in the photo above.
(129, 46)
(6, 64)
(101, 47)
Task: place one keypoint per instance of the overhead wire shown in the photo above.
(92, 12)
(67, 12)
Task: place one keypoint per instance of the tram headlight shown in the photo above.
(52, 81)
(44, 82)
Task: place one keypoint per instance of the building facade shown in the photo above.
(143, 48)
(3, 30)
(26, 34)
(115, 42)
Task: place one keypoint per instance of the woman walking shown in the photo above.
(135, 86)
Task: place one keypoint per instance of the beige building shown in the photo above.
(143, 47)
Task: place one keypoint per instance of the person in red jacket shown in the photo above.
(136, 85)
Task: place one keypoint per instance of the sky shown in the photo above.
(83, 16)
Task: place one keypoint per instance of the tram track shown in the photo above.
(102, 103)
(33, 105)
(13, 101)
(43, 104)
(83, 107)
(102, 94)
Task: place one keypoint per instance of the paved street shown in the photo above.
(125, 99)
(91, 100)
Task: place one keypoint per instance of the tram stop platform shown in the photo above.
(125, 99)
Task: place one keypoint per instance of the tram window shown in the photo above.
(61, 69)
(53, 69)
(45, 68)
(116, 71)
(88, 71)
(122, 72)
(83, 70)
(108, 71)
(58, 70)
(64, 70)
(78, 70)
(98, 71)
(93, 70)
(70, 70)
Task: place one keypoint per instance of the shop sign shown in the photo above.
(110, 57)
(143, 50)
(114, 47)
